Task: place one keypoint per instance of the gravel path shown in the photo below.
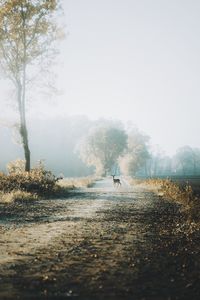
(99, 243)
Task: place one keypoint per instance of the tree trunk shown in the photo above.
(24, 135)
(23, 126)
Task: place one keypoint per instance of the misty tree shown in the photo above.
(137, 154)
(27, 33)
(102, 147)
(187, 160)
(159, 165)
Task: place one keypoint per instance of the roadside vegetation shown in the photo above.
(19, 185)
(73, 183)
(183, 193)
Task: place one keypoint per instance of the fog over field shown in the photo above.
(134, 61)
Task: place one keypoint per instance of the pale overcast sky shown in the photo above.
(135, 60)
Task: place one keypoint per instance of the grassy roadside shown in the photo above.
(181, 194)
(74, 183)
(39, 183)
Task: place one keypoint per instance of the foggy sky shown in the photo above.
(134, 60)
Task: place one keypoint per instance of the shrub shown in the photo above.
(19, 184)
(17, 196)
(16, 166)
(38, 180)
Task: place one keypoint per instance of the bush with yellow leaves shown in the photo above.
(38, 180)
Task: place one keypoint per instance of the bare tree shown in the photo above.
(27, 32)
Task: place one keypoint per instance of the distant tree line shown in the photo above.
(109, 148)
(77, 146)
(186, 161)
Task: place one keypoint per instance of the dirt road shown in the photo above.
(99, 243)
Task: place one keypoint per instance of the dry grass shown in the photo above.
(172, 190)
(59, 189)
(38, 183)
(182, 194)
(64, 186)
(19, 185)
(73, 183)
(15, 196)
